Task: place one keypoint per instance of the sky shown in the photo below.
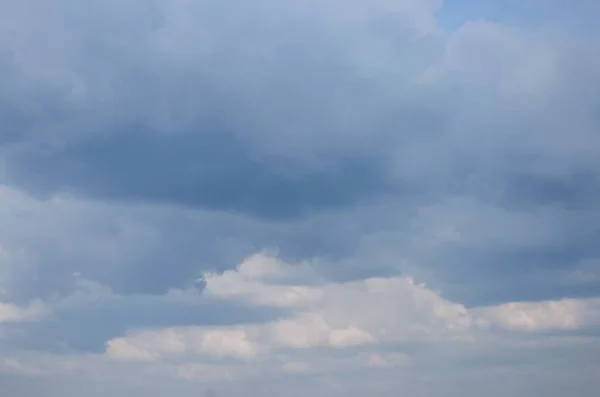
(335, 198)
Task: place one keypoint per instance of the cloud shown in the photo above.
(560, 315)
(267, 198)
(363, 314)
(380, 328)
(146, 346)
(257, 174)
(331, 315)
(341, 314)
(10, 313)
(336, 125)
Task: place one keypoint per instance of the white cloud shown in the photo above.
(558, 315)
(320, 315)
(367, 315)
(11, 313)
(258, 280)
(178, 342)
(367, 325)
(342, 314)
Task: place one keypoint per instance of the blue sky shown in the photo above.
(241, 198)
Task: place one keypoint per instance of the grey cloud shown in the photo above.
(83, 324)
(138, 249)
(474, 251)
(266, 112)
(211, 171)
(192, 134)
(439, 374)
(277, 112)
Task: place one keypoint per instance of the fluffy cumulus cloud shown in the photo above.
(233, 198)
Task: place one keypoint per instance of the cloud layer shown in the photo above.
(248, 198)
